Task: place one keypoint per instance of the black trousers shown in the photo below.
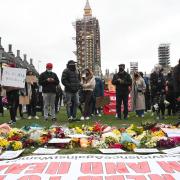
(172, 106)
(88, 95)
(13, 101)
(119, 99)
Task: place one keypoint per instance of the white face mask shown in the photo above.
(49, 70)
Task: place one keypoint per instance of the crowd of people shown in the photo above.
(81, 90)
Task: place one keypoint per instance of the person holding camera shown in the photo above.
(137, 94)
(122, 80)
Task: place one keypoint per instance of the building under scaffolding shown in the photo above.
(133, 67)
(164, 56)
(88, 42)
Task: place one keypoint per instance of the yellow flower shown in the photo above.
(17, 145)
(116, 132)
(4, 143)
(78, 130)
(90, 128)
(158, 133)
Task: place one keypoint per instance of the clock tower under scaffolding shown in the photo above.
(88, 50)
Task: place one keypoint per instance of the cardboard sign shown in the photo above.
(11, 154)
(45, 151)
(13, 77)
(31, 79)
(146, 150)
(92, 167)
(24, 100)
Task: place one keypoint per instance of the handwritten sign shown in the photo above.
(14, 77)
(45, 151)
(11, 154)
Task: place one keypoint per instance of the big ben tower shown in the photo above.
(88, 42)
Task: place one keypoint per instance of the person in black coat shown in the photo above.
(170, 94)
(158, 84)
(122, 80)
(71, 81)
(49, 80)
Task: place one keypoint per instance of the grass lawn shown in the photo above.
(105, 119)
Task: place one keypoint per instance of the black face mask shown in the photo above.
(72, 67)
(121, 69)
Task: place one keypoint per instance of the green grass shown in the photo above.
(105, 119)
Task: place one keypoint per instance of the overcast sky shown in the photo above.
(131, 30)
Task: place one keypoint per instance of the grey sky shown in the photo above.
(131, 30)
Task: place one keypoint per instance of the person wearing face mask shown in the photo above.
(137, 94)
(158, 85)
(71, 81)
(49, 80)
(122, 80)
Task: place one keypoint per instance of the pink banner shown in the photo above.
(110, 109)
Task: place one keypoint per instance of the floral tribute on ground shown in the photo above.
(96, 136)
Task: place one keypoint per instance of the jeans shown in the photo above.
(49, 104)
(72, 102)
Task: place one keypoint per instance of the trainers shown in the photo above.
(82, 118)
(99, 115)
(18, 118)
(36, 117)
(54, 119)
(87, 118)
(29, 117)
(11, 122)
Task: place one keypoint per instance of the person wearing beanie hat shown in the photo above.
(71, 80)
(49, 80)
(122, 80)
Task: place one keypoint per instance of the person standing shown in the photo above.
(137, 94)
(32, 89)
(49, 80)
(98, 92)
(122, 80)
(71, 80)
(158, 84)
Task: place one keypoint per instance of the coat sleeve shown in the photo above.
(56, 79)
(90, 84)
(64, 79)
(42, 80)
(128, 80)
(115, 80)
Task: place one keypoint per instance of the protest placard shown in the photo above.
(45, 151)
(13, 77)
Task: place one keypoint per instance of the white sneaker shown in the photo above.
(87, 118)
(29, 117)
(36, 117)
(152, 114)
(82, 118)
(142, 116)
(99, 115)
